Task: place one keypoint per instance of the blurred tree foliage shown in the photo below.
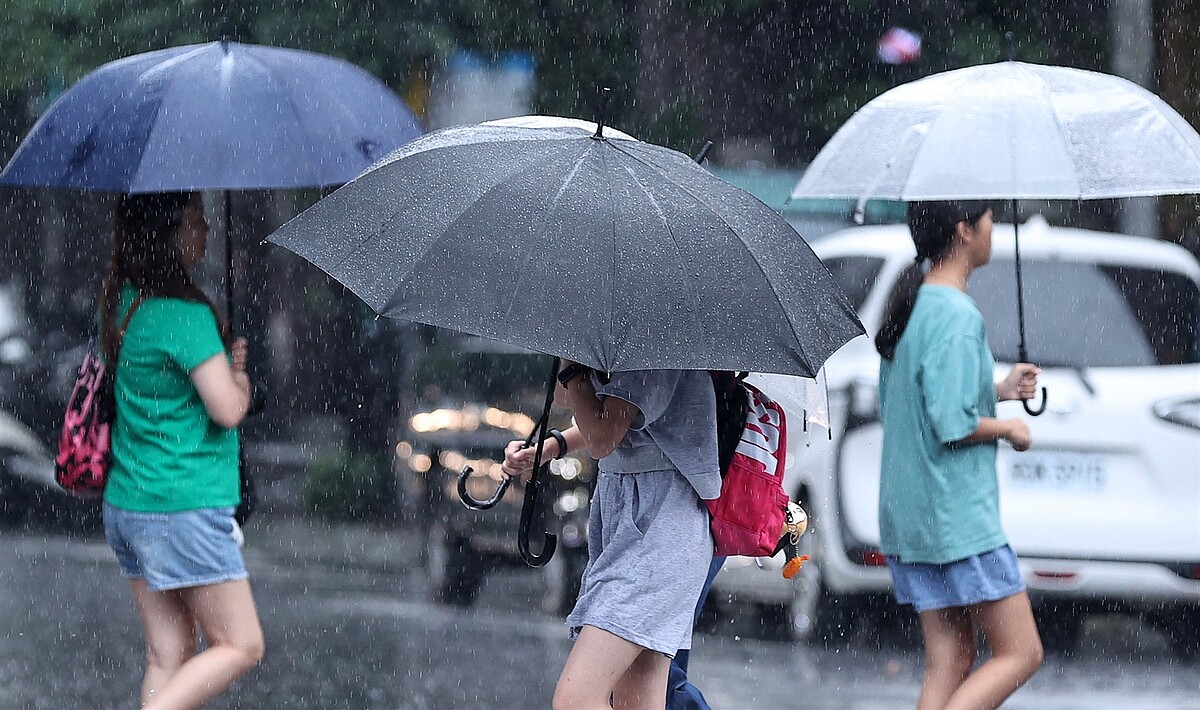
(681, 70)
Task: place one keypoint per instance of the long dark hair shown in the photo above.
(146, 254)
(932, 225)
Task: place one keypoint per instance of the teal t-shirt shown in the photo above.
(939, 501)
(167, 454)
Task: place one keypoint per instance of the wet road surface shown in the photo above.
(349, 624)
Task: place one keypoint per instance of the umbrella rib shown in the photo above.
(662, 217)
(537, 228)
(158, 67)
(287, 95)
(753, 257)
(499, 182)
(1061, 131)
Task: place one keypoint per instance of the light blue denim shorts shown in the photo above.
(191, 548)
(986, 577)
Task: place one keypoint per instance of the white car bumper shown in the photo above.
(1136, 584)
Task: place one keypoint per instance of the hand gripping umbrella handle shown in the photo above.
(474, 503)
(530, 505)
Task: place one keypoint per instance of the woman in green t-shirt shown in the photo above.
(181, 389)
(939, 512)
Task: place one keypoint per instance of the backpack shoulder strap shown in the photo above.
(125, 325)
(733, 403)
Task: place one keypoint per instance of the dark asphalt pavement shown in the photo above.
(349, 624)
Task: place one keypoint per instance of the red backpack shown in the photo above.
(84, 445)
(748, 517)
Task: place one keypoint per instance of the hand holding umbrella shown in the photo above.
(645, 260)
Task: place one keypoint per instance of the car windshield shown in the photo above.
(856, 275)
(1089, 315)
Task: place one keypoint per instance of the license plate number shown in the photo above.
(1062, 471)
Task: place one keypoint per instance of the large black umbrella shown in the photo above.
(611, 252)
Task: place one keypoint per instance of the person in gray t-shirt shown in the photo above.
(649, 545)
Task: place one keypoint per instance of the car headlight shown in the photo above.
(14, 350)
(1184, 411)
(567, 468)
(571, 501)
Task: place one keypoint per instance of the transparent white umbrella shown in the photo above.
(1009, 131)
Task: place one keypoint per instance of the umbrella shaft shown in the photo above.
(1022, 353)
(228, 260)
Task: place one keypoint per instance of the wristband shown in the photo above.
(570, 372)
(562, 442)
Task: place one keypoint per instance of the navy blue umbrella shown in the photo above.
(216, 116)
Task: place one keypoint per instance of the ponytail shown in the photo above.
(899, 309)
(932, 225)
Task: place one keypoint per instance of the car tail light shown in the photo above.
(1182, 411)
(868, 557)
(1187, 570)
(1055, 576)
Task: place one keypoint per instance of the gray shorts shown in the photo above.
(191, 548)
(649, 549)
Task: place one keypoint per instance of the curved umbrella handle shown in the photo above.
(1035, 412)
(474, 503)
(549, 542)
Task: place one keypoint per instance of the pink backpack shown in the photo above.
(84, 446)
(750, 513)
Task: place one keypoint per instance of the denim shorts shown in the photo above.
(191, 548)
(986, 577)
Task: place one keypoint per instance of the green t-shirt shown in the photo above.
(938, 501)
(167, 454)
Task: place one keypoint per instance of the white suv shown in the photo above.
(1104, 509)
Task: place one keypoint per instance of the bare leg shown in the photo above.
(225, 613)
(597, 664)
(949, 655)
(170, 636)
(644, 685)
(1012, 636)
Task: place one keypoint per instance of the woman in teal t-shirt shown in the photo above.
(939, 508)
(173, 481)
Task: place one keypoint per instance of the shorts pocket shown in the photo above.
(645, 501)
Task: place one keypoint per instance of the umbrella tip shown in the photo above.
(703, 152)
(1010, 44)
(605, 95)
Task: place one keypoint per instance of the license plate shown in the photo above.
(1061, 471)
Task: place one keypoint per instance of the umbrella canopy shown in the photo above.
(1009, 130)
(617, 254)
(216, 116)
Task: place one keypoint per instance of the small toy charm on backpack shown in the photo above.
(753, 516)
(789, 540)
